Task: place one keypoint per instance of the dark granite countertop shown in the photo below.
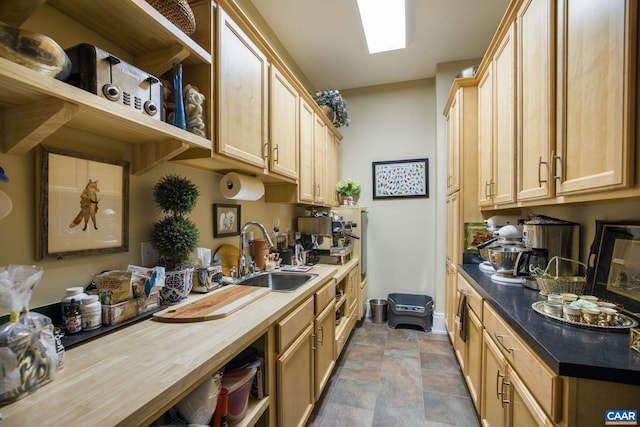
(567, 349)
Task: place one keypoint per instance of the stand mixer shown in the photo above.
(507, 232)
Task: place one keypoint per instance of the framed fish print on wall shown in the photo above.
(82, 204)
(401, 179)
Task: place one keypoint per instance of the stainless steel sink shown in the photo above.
(278, 281)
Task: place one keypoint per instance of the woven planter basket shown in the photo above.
(178, 12)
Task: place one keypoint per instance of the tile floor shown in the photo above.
(395, 377)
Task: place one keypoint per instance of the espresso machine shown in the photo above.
(549, 237)
(326, 235)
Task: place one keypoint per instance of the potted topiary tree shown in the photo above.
(175, 237)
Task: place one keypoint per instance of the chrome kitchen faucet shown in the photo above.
(242, 260)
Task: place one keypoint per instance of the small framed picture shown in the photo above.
(82, 204)
(401, 179)
(226, 220)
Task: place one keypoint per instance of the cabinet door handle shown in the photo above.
(504, 401)
(265, 150)
(540, 180)
(321, 340)
(487, 189)
(558, 172)
(499, 338)
(314, 346)
(499, 387)
(275, 154)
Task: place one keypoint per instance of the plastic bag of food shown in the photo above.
(146, 279)
(28, 356)
(114, 286)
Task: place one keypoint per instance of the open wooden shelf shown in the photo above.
(34, 107)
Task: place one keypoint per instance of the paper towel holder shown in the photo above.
(238, 186)
(230, 184)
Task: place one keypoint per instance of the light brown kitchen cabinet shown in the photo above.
(496, 123)
(485, 135)
(283, 125)
(242, 99)
(306, 356)
(497, 120)
(348, 286)
(453, 145)
(325, 327)
(502, 186)
(306, 184)
(319, 160)
(596, 95)
(506, 400)
(295, 365)
(461, 112)
(333, 168)
(535, 99)
(468, 343)
(320, 142)
(453, 247)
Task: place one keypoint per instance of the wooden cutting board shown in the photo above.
(228, 255)
(219, 304)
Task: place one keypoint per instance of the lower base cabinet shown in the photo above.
(295, 366)
(506, 401)
(305, 344)
(511, 386)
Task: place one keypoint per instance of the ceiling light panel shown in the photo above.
(384, 24)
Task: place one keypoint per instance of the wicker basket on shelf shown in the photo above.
(178, 12)
(550, 284)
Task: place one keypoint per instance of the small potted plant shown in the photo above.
(348, 188)
(175, 237)
(334, 105)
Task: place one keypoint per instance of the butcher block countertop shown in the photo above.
(133, 375)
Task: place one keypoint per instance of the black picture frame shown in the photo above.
(615, 250)
(82, 204)
(226, 220)
(398, 179)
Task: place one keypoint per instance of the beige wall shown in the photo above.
(18, 229)
(395, 122)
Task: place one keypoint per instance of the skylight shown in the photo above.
(383, 22)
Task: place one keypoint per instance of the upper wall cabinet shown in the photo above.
(596, 95)
(496, 123)
(535, 99)
(562, 78)
(283, 125)
(504, 74)
(34, 107)
(242, 95)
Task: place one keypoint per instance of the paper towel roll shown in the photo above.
(241, 187)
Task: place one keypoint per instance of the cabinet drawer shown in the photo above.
(474, 299)
(544, 384)
(290, 327)
(324, 296)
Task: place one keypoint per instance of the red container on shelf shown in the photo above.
(239, 386)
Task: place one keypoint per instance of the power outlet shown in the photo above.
(148, 254)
